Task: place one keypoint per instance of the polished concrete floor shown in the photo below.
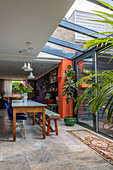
(62, 152)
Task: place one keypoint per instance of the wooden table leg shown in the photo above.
(34, 118)
(43, 118)
(48, 128)
(14, 125)
(28, 115)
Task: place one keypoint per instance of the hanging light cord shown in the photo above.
(31, 48)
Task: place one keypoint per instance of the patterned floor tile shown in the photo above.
(62, 152)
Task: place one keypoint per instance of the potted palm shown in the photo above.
(69, 88)
(101, 93)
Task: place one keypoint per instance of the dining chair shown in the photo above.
(19, 119)
(11, 110)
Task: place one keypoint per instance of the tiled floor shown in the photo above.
(62, 152)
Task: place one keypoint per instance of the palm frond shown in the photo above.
(106, 4)
(101, 92)
(104, 13)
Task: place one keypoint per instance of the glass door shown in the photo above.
(103, 126)
(84, 68)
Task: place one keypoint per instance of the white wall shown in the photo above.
(82, 13)
(83, 19)
(84, 5)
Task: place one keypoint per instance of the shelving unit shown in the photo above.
(53, 76)
(48, 84)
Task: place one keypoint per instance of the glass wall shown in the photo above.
(104, 64)
(84, 68)
(84, 116)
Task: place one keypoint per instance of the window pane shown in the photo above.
(83, 68)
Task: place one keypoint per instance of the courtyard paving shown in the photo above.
(62, 152)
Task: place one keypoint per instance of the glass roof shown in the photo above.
(60, 48)
(64, 34)
(76, 27)
(66, 40)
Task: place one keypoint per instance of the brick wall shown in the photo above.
(64, 34)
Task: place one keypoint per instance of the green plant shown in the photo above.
(69, 86)
(25, 88)
(107, 40)
(98, 94)
(101, 92)
(15, 86)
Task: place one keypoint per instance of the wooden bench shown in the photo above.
(50, 115)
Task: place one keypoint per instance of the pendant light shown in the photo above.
(31, 49)
(28, 66)
(31, 76)
(25, 65)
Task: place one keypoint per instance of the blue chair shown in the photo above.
(11, 110)
(19, 119)
(10, 115)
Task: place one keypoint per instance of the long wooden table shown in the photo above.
(29, 107)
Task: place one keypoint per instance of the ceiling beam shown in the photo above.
(66, 44)
(85, 55)
(47, 61)
(88, 53)
(80, 29)
(57, 52)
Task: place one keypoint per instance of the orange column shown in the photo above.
(63, 107)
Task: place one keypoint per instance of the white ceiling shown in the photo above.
(27, 20)
(19, 74)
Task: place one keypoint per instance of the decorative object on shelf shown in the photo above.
(25, 88)
(53, 76)
(86, 83)
(59, 77)
(69, 88)
(86, 71)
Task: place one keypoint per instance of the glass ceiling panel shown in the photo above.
(61, 49)
(64, 34)
(46, 55)
(78, 53)
(70, 36)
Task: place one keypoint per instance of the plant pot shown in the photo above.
(69, 121)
